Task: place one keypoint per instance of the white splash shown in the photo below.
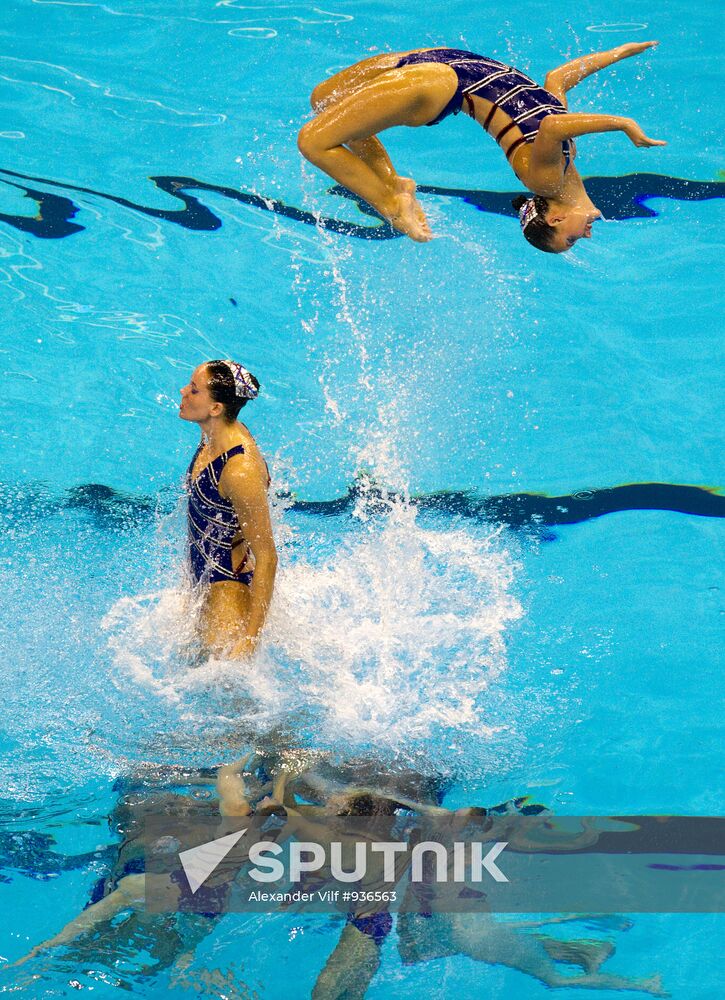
(400, 628)
(386, 631)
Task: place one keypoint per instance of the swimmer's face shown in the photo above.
(571, 226)
(196, 403)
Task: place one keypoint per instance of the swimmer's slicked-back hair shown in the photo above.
(367, 804)
(538, 232)
(223, 388)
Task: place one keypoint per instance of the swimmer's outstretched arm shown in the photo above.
(129, 894)
(546, 148)
(558, 81)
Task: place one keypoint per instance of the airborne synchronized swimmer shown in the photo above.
(531, 124)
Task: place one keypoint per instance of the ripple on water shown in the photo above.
(619, 26)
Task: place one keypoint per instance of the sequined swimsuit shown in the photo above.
(507, 88)
(213, 523)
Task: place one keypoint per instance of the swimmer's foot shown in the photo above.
(408, 216)
(595, 954)
(654, 986)
(407, 185)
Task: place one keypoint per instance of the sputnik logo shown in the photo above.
(305, 856)
(199, 862)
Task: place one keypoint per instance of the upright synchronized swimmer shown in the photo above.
(531, 124)
(231, 548)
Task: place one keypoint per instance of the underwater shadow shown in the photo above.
(113, 510)
(619, 198)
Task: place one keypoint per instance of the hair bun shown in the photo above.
(519, 201)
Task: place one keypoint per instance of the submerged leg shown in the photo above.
(590, 955)
(349, 969)
(491, 942)
(231, 789)
(602, 981)
(558, 81)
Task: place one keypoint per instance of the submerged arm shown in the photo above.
(129, 894)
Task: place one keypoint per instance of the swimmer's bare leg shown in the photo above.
(224, 617)
(281, 795)
(351, 79)
(231, 789)
(129, 894)
(413, 97)
(350, 968)
(372, 152)
(589, 954)
(528, 954)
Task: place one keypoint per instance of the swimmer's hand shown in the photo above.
(633, 49)
(633, 131)
(268, 805)
(21, 961)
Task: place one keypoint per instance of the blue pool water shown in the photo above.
(574, 662)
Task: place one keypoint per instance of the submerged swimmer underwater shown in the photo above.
(452, 576)
(308, 795)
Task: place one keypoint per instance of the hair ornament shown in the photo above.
(527, 212)
(244, 387)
